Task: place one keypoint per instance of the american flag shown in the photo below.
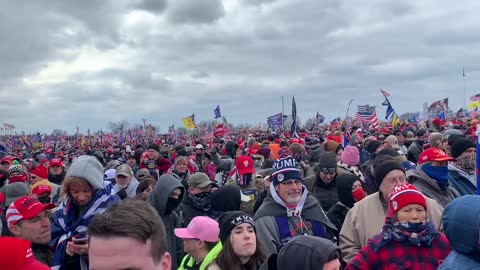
(367, 116)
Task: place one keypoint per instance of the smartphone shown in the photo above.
(80, 239)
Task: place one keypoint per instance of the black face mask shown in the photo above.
(172, 204)
(44, 199)
(56, 178)
(202, 195)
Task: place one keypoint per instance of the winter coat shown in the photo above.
(210, 170)
(325, 194)
(400, 255)
(461, 220)
(267, 228)
(430, 188)
(338, 211)
(414, 151)
(367, 218)
(43, 254)
(158, 199)
(462, 182)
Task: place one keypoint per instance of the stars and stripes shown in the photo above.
(367, 116)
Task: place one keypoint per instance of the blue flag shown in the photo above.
(217, 112)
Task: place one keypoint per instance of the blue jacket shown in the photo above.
(461, 221)
(460, 182)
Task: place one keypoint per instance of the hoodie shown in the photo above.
(338, 211)
(267, 228)
(159, 200)
(461, 223)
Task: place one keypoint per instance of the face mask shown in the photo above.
(467, 163)
(55, 178)
(202, 195)
(17, 178)
(438, 173)
(44, 199)
(358, 194)
(172, 204)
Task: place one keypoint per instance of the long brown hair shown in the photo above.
(227, 259)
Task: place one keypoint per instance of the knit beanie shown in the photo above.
(16, 169)
(230, 220)
(285, 169)
(382, 166)
(40, 171)
(87, 168)
(461, 145)
(350, 155)
(449, 133)
(154, 146)
(327, 160)
(405, 195)
(373, 146)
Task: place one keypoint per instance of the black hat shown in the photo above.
(154, 146)
(382, 166)
(230, 220)
(420, 132)
(327, 160)
(452, 138)
(373, 146)
(461, 145)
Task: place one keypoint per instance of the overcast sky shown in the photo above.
(85, 63)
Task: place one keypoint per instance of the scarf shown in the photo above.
(353, 169)
(62, 231)
(201, 201)
(438, 173)
(292, 211)
(466, 164)
(416, 234)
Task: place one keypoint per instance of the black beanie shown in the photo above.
(327, 160)
(230, 220)
(382, 166)
(373, 146)
(154, 146)
(461, 145)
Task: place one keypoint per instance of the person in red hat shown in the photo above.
(431, 176)
(16, 254)
(56, 172)
(29, 219)
(408, 234)
(5, 163)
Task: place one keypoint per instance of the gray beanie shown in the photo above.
(89, 169)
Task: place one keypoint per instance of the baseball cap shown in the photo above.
(244, 165)
(199, 180)
(199, 146)
(25, 207)
(433, 154)
(151, 165)
(40, 189)
(202, 228)
(124, 170)
(56, 162)
(16, 253)
(8, 159)
(110, 174)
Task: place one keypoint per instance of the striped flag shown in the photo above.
(367, 116)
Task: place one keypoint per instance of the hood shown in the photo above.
(344, 188)
(461, 223)
(165, 184)
(311, 210)
(306, 253)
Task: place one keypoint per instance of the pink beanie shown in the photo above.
(351, 156)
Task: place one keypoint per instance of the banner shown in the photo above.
(275, 120)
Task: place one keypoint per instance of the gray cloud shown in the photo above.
(89, 62)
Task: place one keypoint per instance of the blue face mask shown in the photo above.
(439, 173)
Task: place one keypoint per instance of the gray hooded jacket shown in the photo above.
(158, 199)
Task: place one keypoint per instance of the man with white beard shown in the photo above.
(126, 184)
(289, 210)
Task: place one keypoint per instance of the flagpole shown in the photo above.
(283, 112)
(348, 108)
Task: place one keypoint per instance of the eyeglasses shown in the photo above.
(328, 170)
(394, 180)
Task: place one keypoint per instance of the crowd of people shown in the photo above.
(336, 197)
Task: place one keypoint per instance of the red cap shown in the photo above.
(296, 140)
(16, 253)
(40, 189)
(433, 154)
(2, 198)
(48, 151)
(25, 208)
(60, 154)
(405, 195)
(40, 171)
(56, 162)
(244, 165)
(8, 159)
